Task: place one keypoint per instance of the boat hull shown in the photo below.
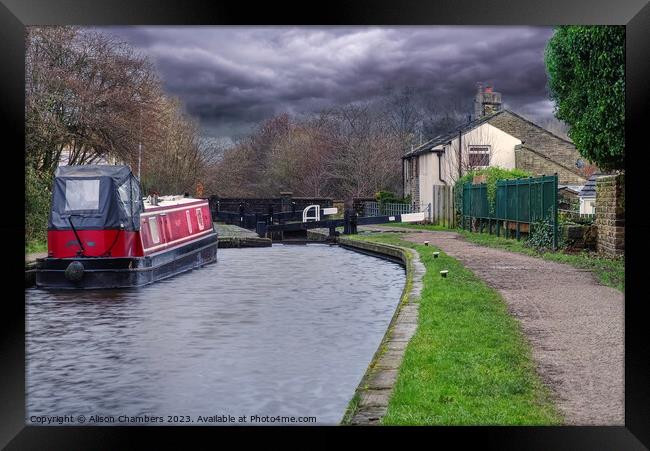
(126, 272)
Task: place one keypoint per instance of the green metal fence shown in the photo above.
(517, 202)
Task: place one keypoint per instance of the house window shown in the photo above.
(479, 156)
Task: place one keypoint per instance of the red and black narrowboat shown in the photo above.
(102, 234)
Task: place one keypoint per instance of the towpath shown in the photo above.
(574, 324)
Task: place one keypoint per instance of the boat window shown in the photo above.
(153, 228)
(135, 196)
(81, 195)
(199, 218)
(189, 220)
(125, 197)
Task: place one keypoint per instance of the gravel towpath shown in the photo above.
(574, 324)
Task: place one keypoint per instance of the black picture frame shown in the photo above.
(635, 14)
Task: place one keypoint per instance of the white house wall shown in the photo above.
(502, 154)
(428, 177)
(502, 150)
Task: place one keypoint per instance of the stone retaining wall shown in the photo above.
(373, 393)
(580, 236)
(610, 215)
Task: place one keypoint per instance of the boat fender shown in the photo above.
(75, 271)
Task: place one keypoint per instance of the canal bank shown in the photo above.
(234, 236)
(370, 401)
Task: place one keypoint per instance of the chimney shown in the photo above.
(487, 101)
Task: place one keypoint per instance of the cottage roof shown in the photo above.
(575, 189)
(447, 137)
(589, 190)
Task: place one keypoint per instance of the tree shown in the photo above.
(89, 97)
(82, 91)
(586, 71)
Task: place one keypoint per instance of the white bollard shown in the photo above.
(436, 254)
(444, 272)
(426, 243)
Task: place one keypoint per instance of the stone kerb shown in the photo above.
(376, 386)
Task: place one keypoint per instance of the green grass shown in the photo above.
(468, 363)
(34, 246)
(609, 272)
(410, 225)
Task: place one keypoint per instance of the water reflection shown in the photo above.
(287, 330)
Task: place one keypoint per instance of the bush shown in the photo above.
(387, 197)
(541, 236)
(38, 197)
(494, 174)
(586, 80)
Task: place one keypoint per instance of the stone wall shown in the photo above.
(580, 236)
(535, 162)
(538, 138)
(610, 215)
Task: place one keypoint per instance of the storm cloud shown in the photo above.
(230, 78)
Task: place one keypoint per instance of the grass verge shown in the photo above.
(34, 246)
(609, 272)
(468, 363)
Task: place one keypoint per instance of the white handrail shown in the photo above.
(305, 215)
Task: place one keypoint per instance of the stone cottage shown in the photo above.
(496, 137)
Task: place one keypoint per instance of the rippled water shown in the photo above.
(286, 330)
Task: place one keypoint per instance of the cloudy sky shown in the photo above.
(230, 78)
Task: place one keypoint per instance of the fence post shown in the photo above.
(469, 205)
(332, 230)
(517, 207)
(261, 229)
(555, 211)
(353, 223)
(541, 201)
(241, 214)
(505, 210)
(462, 207)
(530, 195)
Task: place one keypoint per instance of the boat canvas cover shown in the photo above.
(95, 197)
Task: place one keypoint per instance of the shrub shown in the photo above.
(387, 197)
(38, 197)
(541, 235)
(494, 174)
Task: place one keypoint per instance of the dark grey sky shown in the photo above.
(233, 77)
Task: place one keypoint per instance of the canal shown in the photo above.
(276, 331)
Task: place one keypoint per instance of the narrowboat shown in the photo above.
(103, 234)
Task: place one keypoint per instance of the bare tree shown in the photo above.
(83, 90)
